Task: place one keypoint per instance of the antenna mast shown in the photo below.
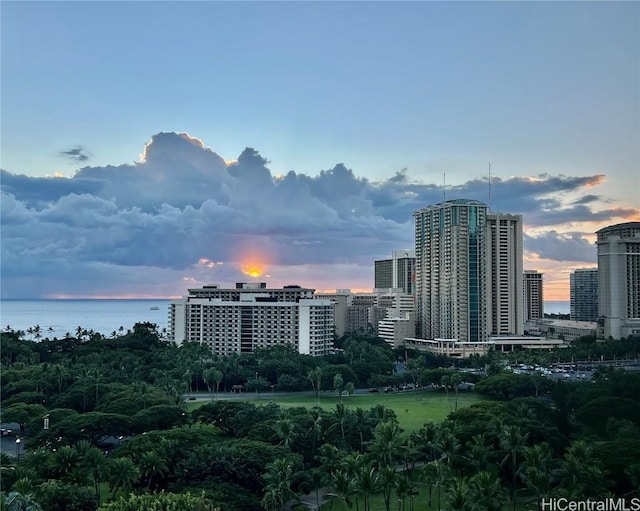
(489, 186)
(444, 187)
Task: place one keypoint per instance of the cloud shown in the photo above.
(571, 246)
(183, 211)
(75, 154)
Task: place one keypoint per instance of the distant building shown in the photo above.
(619, 280)
(562, 329)
(341, 300)
(397, 272)
(366, 310)
(583, 291)
(505, 284)
(533, 295)
(455, 349)
(252, 316)
(396, 328)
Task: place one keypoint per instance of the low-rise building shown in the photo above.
(561, 329)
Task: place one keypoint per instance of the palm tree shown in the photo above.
(365, 483)
(537, 469)
(316, 428)
(512, 441)
(315, 377)
(95, 464)
(278, 480)
(486, 491)
(405, 488)
(65, 460)
(285, 430)
(386, 443)
(122, 473)
(458, 496)
(317, 479)
(387, 483)
(362, 424)
(447, 443)
(478, 452)
(152, 466)
(436, 474)
(329, 458)
(338, 385)
(580, 474)
(39, 461)
(426, 439)
(341, 414)
(351, 462)
(340, 488)
(410, 454)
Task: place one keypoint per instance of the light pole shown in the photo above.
(18, 448)
(256, 384)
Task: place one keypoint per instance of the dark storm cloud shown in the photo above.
(562, 247)
(75, 154)
(183, 204)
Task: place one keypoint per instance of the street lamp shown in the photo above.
(18, 448)
(256, 384)
(45, 422)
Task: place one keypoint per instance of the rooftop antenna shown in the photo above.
(489, 186)
(444, 187)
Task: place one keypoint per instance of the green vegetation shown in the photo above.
(107, 427)
(412, 408)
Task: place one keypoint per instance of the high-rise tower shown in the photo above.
(619, 280)
(451, 270)
(583, 293)
(533, 295)
(504, 257)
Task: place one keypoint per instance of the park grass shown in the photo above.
(412, 409)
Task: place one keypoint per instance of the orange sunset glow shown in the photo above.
(253, 269)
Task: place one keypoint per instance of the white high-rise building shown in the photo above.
(533, 295)
(252, 316)
(504, 288)
(619, 280)
(583, 293)
(451, 271)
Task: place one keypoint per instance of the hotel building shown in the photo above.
(619, 280)
(251, 316)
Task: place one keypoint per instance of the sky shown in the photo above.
(148, 147)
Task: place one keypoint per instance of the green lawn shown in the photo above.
(413, 409)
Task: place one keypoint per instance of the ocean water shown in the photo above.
(557, 307)
(57, 317)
